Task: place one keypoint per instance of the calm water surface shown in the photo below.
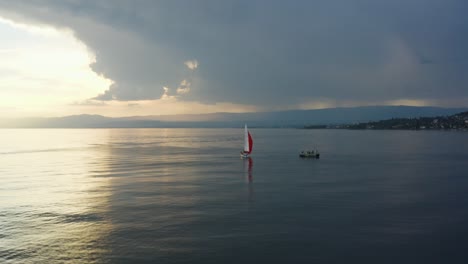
(185, 196)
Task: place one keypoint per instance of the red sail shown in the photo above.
(250, 143)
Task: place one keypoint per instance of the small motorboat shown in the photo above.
(310, 154)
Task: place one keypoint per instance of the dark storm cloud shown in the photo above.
(270, 52)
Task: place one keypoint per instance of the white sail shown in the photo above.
(246, 139)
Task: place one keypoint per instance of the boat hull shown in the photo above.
(310, 154)
(244, 155)
(314, 156)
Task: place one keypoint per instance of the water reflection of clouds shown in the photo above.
(196, 138)
(156, 191)
(52, 209)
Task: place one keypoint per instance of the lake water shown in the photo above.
(185, 196)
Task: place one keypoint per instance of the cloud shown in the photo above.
(267, 53)
(133, 104)
(191, 64)
(184, 87)
(89, 102)
(166, 95)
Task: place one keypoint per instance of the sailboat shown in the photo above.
(248, 144)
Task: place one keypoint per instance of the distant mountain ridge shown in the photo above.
(291, 118)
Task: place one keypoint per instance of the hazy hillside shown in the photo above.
(458, 121)
(294, 118)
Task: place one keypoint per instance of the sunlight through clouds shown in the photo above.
(108, 57)
(42, 67)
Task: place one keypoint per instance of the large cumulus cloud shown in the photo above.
(267, 52)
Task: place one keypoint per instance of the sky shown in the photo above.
(143, 57)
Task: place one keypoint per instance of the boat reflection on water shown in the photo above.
(248, 164)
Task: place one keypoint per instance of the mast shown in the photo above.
(246, 140)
